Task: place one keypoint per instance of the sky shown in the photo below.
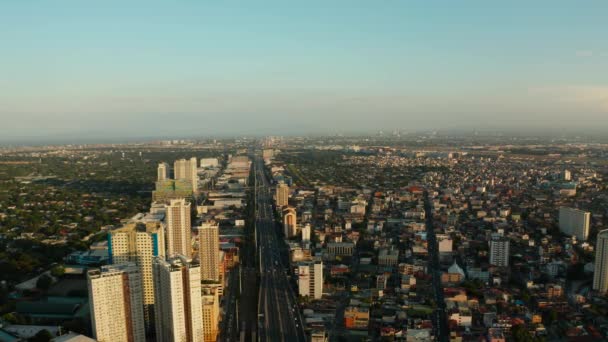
(172, 68)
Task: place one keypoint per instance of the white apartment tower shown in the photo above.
(116, 303)
(187, 169)
(306, 230)
(209, 251)
(139, 243)
(600, 276)
(566, 175)
(282, 195)
(162, 172)
(178, 309)
(178, 224)
(499, 251)
(574, 222)
(310, 279)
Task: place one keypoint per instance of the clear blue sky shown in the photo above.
(216, 67)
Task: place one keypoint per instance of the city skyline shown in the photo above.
(112, 71)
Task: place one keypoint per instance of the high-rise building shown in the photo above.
(499, 251)
(574, 222)
(600, 276)
(306, 230)
(282, 195)
(116, 303)
(169, 189)
(209, 251)
(566, 175)
(178, 308)
(139, 242)
(310, 279)
(179, 236)
(187, 169)
(211, 314)
(162, 172)
(289, 222)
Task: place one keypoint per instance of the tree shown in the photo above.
(44, 282)
(41, 336)
(58, 271)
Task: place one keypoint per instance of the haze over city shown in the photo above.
(303, 171)
(112, 69)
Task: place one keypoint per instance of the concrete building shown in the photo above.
(600, 276)
(289, 222)
(310, 279)
(178, 228)
(169, 189)
(211, 315)
(499, 251)
(356, 317)
(116, 303)
(566, 175)
(306, 233)
(282, 195)
(178, 309)
(340, 248)
(209, 162)
(574, 222)
(187, 169)
(388, 257)
(162, 172)
(209, 251)
(139, 243)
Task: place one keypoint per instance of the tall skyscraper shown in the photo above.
(211, 314)
(179, 236)
(139, 243)
(178, 308)
(282, 195)
(116, 303)
(209, 251)
(187, 169)
(162, 172)
(574, 222)
(499, 251)
(600, 276)
(310, 279)
(289, 222)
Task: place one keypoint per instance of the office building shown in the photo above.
(162, 172)
(600, 276)
(282, 195)
(187, 169)
(139, 242)
(574, 222)
(499, 251)
(209, 251)
(178, 308)
(179, 237)
(310, 279)
(116, 303)
(289, 222)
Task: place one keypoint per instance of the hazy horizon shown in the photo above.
(115, 70)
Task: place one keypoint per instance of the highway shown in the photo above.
(279, 318)
(440, 320)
